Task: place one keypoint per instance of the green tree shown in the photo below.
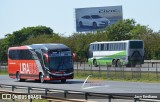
(120, 30)
(19, 37)
(26, 33)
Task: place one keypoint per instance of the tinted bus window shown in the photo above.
(22, 55)
(13, 54)
(102, 47)
(136, 44)
(109, 47)
(98, 47)
(106, 47)
(124, 46)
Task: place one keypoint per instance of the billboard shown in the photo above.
(94, 18)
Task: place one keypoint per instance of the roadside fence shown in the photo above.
(147, 71)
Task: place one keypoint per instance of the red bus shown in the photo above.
(41, 62)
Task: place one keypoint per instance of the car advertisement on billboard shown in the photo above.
(92, 19)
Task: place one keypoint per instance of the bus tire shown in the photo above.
(95, 63)
(114, 63)
(63, 81)
(18, 77)
(41, 78)
(118, 64)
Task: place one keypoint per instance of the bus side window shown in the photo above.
(95, 47)
(26, 55)
(102, 47)
(98, 47)
(105, 47)
(34, 55)
(119, 46)
(114, 47)
(92, 47)
(12, 54)
(124, 46)
(109, 47)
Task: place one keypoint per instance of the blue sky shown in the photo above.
(60, 14)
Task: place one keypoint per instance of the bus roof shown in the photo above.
(49, 46)
(113, 41)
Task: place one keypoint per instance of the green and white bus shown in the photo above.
(116, 53)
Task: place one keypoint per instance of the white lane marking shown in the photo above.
(90, 87)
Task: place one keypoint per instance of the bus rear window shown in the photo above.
(136, 44)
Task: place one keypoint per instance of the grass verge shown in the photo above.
(3, 71)
(119, 76)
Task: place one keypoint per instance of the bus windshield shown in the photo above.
(60, 61)
(136, 44)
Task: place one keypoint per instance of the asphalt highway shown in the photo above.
(90, 85)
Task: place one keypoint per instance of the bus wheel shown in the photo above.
(63, 81)
(118, 63)
(41, 78)
(114, 63)
(95, 63)
(18, 77)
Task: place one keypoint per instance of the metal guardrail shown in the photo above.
(108, 96)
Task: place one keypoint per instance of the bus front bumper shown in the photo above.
(61, 76)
